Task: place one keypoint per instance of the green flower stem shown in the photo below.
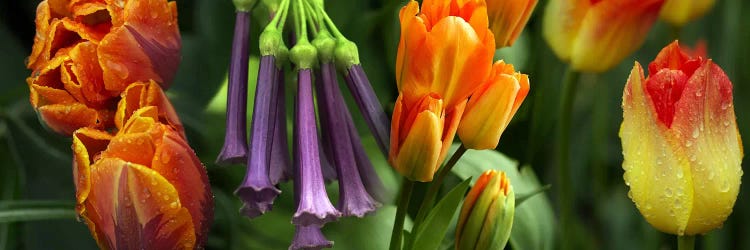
(33, 214)
(429, 198)
(403, 206)
(565, 197)
(686, 242)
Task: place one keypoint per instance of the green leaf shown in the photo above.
(534, 220)
(429, 234)
(32, 214)
(21, 204)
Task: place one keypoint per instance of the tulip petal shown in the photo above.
(679, 12)
(88, 143)
(650, 157)
(417, 156)
(706, 123)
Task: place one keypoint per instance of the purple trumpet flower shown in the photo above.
(314, 207)
(369, 177)
(369, 105)
(257, 191)
(309, 237)
(354, 200)
(234, 150)
(280, 168)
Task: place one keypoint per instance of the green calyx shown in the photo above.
(304, 54)
(271, 42)
(271, 5)
(325, 44)
(244, 5)
(346, 54)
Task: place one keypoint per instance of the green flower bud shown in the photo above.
(326, 44)
(304, 54)
(346, 54)
(244, 5)
(271, 42)
(486, 216)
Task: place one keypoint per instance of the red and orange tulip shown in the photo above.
(595, 35)
(86, 52)
(508, 18)
(492, 106)
(143, 186)
(681, 145)
(444, 54)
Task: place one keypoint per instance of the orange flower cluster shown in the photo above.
(444, 58)
(99, 67)
(86, 53)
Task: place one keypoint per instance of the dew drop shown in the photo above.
(118, 69)
(724, 186)
(688, 143)
(668, 192)
(696, 132)
(698, 93)
(173, 204)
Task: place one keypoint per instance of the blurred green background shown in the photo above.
(35, 164)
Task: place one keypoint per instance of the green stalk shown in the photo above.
(429, 198)
(686, 242)
(403, 206)
(565, 197)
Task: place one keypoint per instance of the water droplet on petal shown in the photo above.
(696, 132)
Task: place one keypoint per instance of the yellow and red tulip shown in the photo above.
(508, 18)
(681, 146)
(595, 35)
(486, 216)
(86, 52)
(492, 106)
(143, 186)
(680, 12)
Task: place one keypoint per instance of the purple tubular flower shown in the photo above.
(309, 237)
(369, 177)
(353, 197)
(280, 168)
(314, 207)
(369, 105)
(257, 192)
(235, 137)
(329, 172)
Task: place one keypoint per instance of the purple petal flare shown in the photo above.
(353, 197)
(314, 207)
(370, 178)
(369, 105)
(257, 192)
(281, 167)
(309, 237)
(234, 150)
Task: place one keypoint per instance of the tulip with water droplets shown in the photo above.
(681, 146)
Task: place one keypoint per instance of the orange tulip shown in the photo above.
(445, 50)
(143, 186)
(681, 146)
(492, 106)
(596, 35)
(86, 52)
(444, 54)
(508, 18)
(421, 136)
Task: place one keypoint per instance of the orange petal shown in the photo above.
(562, 20)
(88, 143)
(144, 44)
(141, 94)
(508, 18)
(86, 74)
(65, 119)
(176, 161)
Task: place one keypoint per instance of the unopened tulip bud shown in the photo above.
(486, 216)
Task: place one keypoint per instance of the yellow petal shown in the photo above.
(679, 12)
